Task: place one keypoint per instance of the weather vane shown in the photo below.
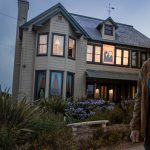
(109, 9)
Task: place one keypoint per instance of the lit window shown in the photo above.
(108, 54)
(134, 59)
(71, 48)
(143, 57)
(70, 85)
(58, 45)
(40, 80)
(42, 44)
(125, 57)
(56, 83)
(90, 53)
(118, 56)
(108, 29)
(97, 54)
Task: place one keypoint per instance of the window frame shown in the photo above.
(141, 57)
(122, 57)
(105, 29)
(74, 48)
(36, 81)
(50, 80)
(93, 54)
(137, 64)
(38, 44)
(58, 34)
(73, 79)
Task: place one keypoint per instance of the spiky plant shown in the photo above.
(16, 120)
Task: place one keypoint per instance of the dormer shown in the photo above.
(108, 28)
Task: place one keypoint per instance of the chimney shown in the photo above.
(23, 7)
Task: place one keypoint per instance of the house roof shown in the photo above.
(125, 34)
(108, 19)
(87, 26)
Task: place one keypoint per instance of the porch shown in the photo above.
(111, 86)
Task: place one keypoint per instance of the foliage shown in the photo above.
(53, 104)
(29, 127)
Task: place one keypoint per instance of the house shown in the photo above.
(70, 55)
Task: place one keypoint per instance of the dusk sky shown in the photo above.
(132, 12)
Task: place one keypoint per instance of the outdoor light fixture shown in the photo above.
(97, 93)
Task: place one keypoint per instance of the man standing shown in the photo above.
(140, 123)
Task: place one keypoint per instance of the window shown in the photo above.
(40, 80)
(122, 57)
(89, 53)
(70, 85)
(143, 57)
(71, 48)
(56, 83)
(97, 54)
(90, 90)
(108, 54)
(134, 59)
(118, 57)
(125, 57)
(108, 29)
(58, 45)
(42, 44)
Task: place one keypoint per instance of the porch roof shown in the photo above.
(111, 75)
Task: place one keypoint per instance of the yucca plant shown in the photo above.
(53, 104)
(16, 120)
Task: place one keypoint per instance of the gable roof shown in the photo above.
(87, 26)
(105, 21)
(58, 8)
(125, 34)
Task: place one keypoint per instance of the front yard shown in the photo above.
(44, 125)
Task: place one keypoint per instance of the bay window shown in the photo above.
(69, 85)
(42, 44)
(40, 80)
(71, 48)
(56, 83)
(58, 45)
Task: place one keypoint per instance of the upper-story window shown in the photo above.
(89, 53)
(58, 45)
(42, 44)
(71, 48)
(108, 54)
(134, 57)
(93, 54)
(122, 57)
(108, 29)
(97, 57)
(143, 57)
(125, 57)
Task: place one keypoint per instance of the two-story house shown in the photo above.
(70, 55)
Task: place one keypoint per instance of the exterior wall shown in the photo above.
(27, 65)
(108, 37)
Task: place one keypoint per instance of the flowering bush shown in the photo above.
(81, 110)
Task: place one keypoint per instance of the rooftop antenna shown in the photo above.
(110, 8)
